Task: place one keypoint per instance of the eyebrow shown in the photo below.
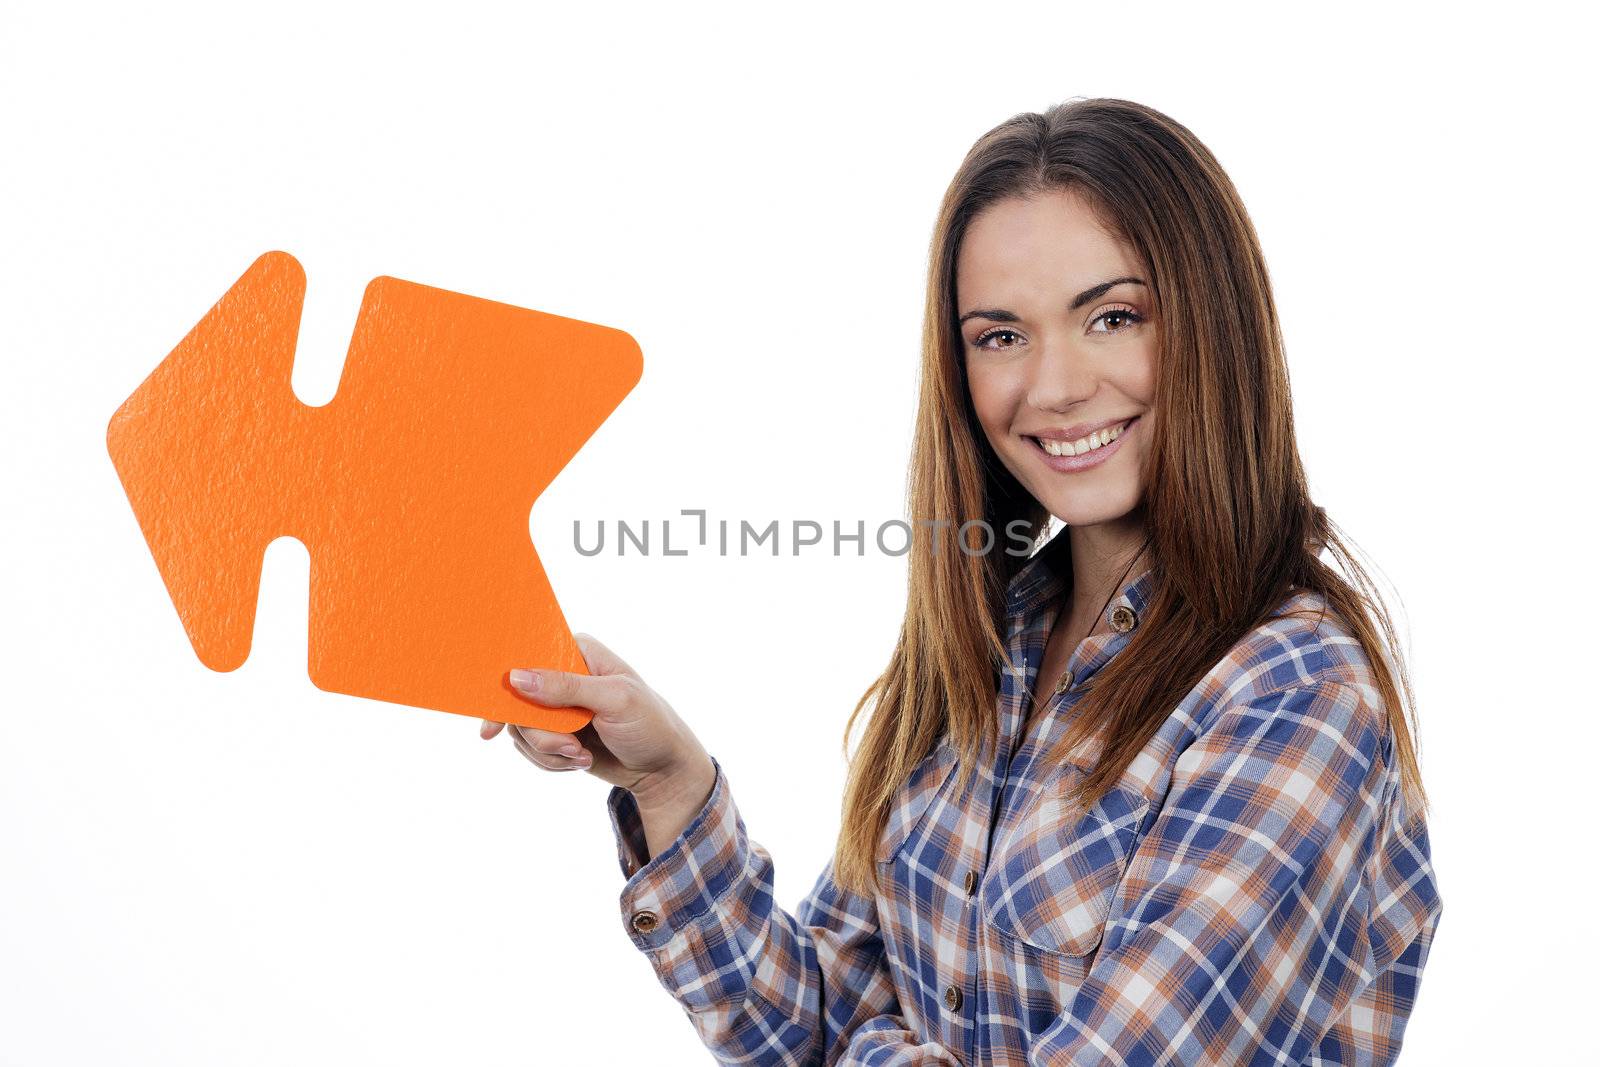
(1091, 293)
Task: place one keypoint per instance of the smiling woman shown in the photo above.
(1148, 795)
(1092, 356)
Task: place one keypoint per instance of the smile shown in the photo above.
(1086, 451)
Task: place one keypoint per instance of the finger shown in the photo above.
(602, 694)
(600, 659)
(549, 742)
(490, 728)
(545, 760)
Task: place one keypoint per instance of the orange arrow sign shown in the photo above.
(411, 489)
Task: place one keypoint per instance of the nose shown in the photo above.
(1059, 376)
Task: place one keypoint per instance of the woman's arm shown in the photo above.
(1246, 925)
(758, 984)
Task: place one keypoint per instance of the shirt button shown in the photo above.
(952, 998)
(1123, 618)
(971, 880)
(632, 866)
(1065, 683)
(644, 921)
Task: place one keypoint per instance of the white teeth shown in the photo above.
(1098, 439)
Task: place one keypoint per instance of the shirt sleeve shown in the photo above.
(1242, 929)
(759, 985)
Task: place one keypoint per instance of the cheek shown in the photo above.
(989, 401)
(1142, 375)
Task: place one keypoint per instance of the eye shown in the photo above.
(1124, 314)
(994, 332)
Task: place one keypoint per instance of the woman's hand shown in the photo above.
(635, 739)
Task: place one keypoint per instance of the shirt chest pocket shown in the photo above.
(914, 807)
(1050, 881)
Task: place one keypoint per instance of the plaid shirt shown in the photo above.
(1251, 892)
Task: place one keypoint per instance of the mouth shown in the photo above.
(1085, 447)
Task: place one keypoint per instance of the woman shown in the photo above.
(1187, 825)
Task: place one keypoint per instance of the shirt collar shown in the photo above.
(1048, 573)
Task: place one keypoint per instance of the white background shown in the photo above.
(205, 868)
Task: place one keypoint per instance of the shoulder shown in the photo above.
(1303, 656)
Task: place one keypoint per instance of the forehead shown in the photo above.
(1043, 244)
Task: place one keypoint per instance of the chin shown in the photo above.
(1090, 508)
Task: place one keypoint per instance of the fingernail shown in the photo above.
(526, 681)
(570, 750)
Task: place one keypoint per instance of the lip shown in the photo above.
(1082, 429)
(1092, 458)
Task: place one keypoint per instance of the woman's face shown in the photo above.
(1060, 351)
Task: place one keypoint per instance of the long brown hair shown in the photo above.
(1230, 522)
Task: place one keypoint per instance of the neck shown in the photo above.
(1104, 556)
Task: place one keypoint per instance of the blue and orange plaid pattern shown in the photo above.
(1253, 891)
